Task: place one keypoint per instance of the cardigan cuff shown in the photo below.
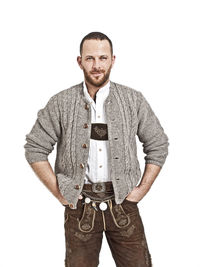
(35, 157)
(154, 162)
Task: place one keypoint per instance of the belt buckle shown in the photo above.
(98, 187)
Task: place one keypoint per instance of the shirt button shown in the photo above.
(100, 149)
(71, 205)
(98, 116)
(84, 145)
(100, 166)
(82, 165)
(86, 106)
(85, 125)
(77, 186)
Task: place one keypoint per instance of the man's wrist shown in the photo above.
(62, 200)
(138, 192)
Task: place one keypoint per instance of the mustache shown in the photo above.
(100, 71)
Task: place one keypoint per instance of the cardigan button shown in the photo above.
(84, 145)
(71, 205)
(85, 125)
(86, 106)
(82, 165)
(77, 186)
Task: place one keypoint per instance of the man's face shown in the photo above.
(96, 61)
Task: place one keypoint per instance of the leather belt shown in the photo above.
(99, 187)
(98, 192)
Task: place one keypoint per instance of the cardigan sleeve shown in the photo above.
(151, 134)
(44, 134)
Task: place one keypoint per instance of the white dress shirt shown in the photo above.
(98, 165)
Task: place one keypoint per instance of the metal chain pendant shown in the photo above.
(103, 206)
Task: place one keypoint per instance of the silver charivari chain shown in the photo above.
(102, 205)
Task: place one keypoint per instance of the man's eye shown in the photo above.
(89, 58)
(104, 58)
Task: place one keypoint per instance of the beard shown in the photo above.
(97, 81)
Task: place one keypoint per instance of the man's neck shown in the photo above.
(92, 90)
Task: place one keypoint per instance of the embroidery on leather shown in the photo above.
(99, 131)
(84, 237)
(147, 254)
(119, 216)
(128, 232)
(86, 223)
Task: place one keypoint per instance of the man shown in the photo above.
(96, 177)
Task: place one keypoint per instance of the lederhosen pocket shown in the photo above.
(86, 223)
(120, 218)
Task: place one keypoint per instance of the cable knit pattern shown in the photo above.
(65, 120)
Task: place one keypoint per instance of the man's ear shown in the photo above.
(79, 60)
(113, 60)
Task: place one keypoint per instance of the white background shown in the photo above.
(156, 44)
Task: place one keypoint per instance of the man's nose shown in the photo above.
(96, 64)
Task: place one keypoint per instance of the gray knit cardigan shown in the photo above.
(66, 120)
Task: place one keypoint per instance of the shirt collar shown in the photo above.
(103, 92)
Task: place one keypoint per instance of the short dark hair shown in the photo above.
(96, 36)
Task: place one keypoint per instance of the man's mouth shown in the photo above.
(96, 73)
